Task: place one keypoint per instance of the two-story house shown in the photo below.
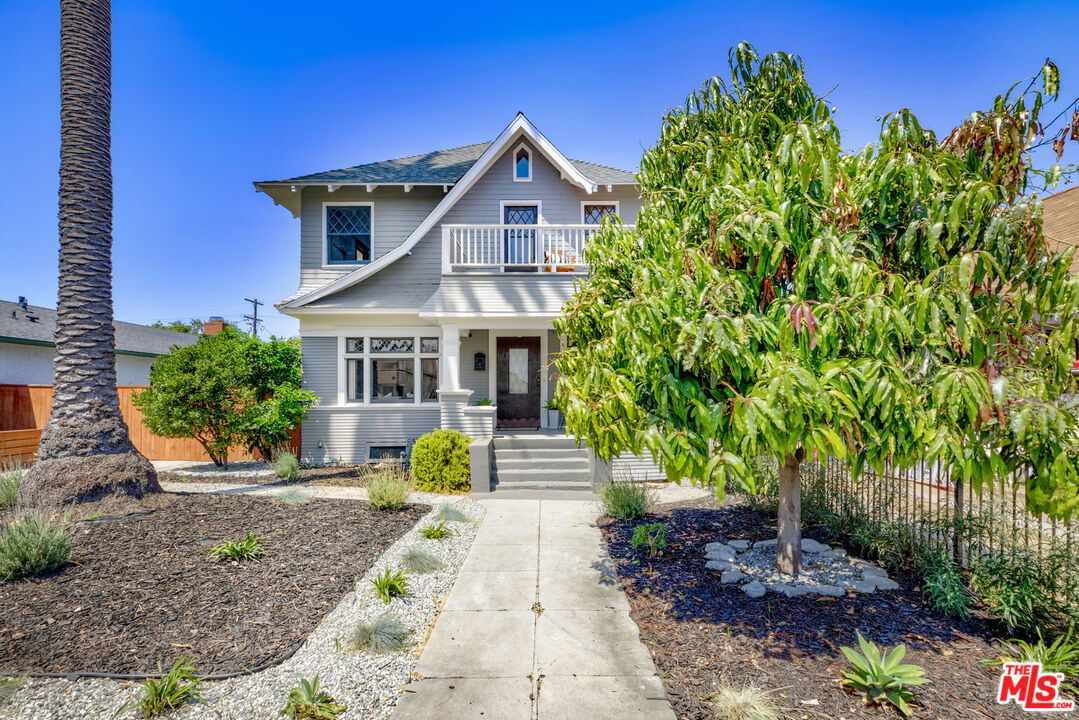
(428, 289)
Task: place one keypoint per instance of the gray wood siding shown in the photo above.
(395, 213)
(346, 434)
(320, 367)
(410, 281)
(477, 382)
(636, 468)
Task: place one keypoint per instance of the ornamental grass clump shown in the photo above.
(440, 462)
(386, 634)
(31, 546)
(421, 562)
(743, 702)
(450, 514)
(626, 500)
(10, 479)
(388, 489)
(285, 465)
(170, 691)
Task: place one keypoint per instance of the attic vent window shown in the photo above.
(522, 164)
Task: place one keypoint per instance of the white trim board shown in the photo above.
(520, 127)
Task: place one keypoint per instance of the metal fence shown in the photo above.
(927, 509)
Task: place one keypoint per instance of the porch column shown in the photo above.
(451, 358)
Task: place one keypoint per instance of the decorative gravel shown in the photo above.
(368, 684)
(825, 571)
(246, 470)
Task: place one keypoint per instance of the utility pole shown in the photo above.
(253, 318)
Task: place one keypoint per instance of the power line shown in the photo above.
(253, 318)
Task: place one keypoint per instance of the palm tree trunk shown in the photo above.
(85, 452)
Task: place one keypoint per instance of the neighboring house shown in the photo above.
(26, 346)
(1060, 222)
(431, 282)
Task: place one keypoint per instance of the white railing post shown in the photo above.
(446, 264)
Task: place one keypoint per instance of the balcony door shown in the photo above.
(517, 375)
(519, 246)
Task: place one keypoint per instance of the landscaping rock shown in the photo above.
(732, 576)
(720, 565)
(739, 545)
(765, 543)
(863, 586)
(721, 554)
(715, 546)
(869, 568)
(884, 583)
(754, 589)
(812, 546)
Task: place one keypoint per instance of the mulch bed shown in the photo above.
(699, 630)
(337, 475)
(143, 590)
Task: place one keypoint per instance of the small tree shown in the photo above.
(225, 390)
(781, 296)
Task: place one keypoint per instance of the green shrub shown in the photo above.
(307, 700)
(31, 546)
(626, 500)
(435, 531)
(1014, 591)
(10, 478)
(293, 496)
(743, 703)
(421, 562)
(249, 548)
(389, 585)
(1060, 656)
(173, 689)
(386, 634)
(652, 536)
(440, 462)
(881, 679)
(943, 586)
(450, 514)
(388, 489)
(286, 466)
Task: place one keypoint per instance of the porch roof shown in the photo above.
(537, 296)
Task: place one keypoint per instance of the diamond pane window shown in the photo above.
(393, 345)
(348, 233)
(354, 345)
(428, 345)
(521, 214)
(594, 214)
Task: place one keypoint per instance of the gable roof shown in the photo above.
(37, 326)
(582, 174)
(439, 167)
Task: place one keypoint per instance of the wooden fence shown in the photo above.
(24, 410)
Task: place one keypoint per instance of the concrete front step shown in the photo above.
(544, 474)
(558, 463)
(535, 442)
(560, 485)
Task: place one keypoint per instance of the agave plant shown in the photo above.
(882, 679)
(308, 700)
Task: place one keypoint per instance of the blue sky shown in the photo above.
(210, 96)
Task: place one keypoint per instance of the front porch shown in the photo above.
(498, 379)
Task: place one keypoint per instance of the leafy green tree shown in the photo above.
(192, 327)
(781, 296)
(225, 390)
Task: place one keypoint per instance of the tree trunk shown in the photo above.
(85, 452)
(789, 522)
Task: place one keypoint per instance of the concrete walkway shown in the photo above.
(536, 627)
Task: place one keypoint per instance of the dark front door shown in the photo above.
(519, 246)
(518, 381)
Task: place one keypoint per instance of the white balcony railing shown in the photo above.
(509, 248)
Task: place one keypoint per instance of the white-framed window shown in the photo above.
(593, 212)
(347, 230)
(522, 164)
(391, 368)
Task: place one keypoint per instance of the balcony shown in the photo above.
(515, 248)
